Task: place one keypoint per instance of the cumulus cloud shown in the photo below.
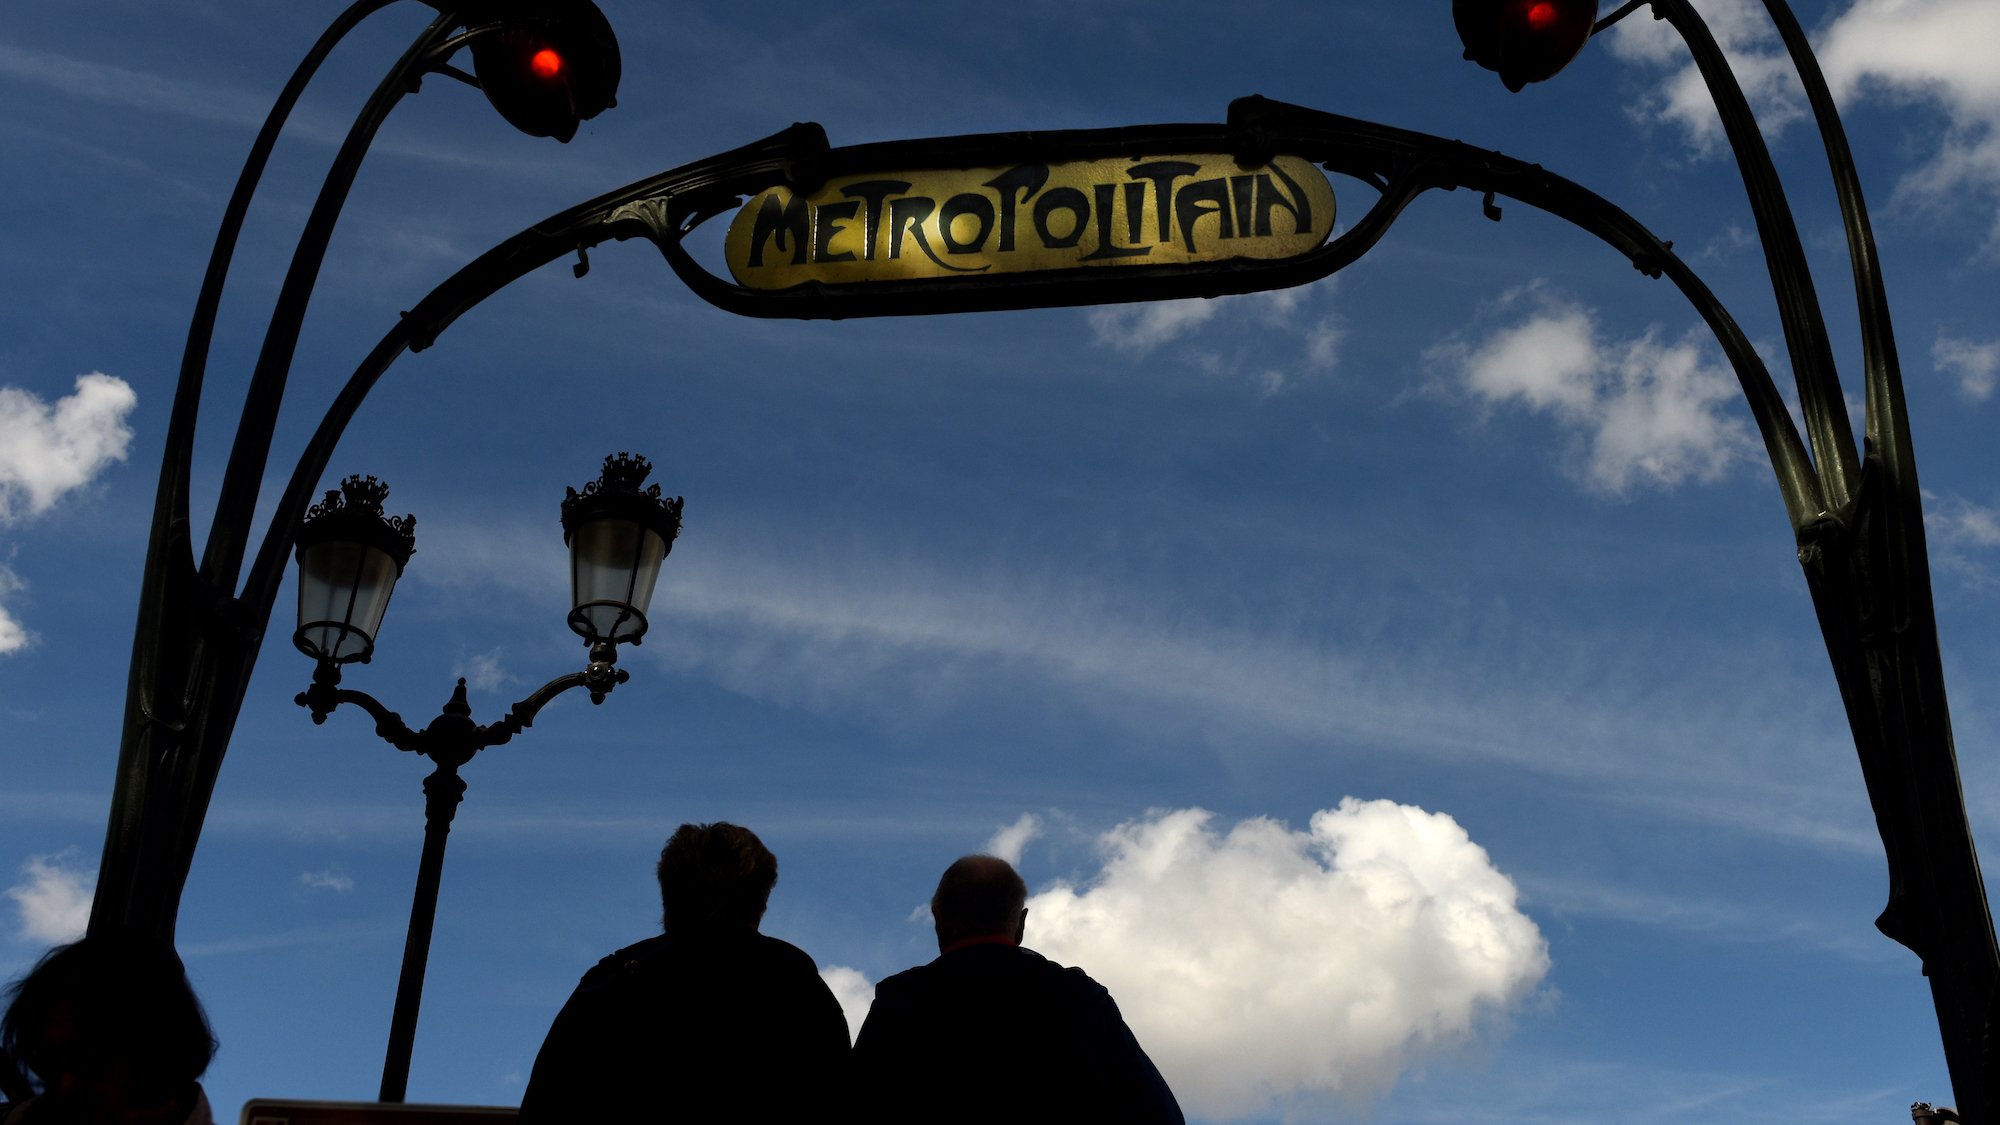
(1640, 411)
(46, 451)
(1269, 340)
(53, 898)
(854, 993)
(1268, 967)
(1008, 842)
(1976, 365)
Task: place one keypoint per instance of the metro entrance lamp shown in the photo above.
(351, 553)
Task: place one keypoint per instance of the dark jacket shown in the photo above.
(997, 1033)
(726, 1028)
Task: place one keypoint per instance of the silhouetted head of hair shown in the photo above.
(715, 877)
(111, 1007)
(979, 896)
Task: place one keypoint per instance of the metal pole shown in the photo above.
(1867, 565)
(443, 790)
(195, 643)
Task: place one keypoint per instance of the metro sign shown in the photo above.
(1030, 218)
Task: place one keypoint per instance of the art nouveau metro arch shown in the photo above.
(1033, 220)
(1026, 220)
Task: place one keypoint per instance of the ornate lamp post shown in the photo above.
(351, 553)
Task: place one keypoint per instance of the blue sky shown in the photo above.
(1400, 691)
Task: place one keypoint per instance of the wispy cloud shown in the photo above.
(1963, 537)
(303, 937)
(129, 88)
(14, 636)
(155, 94)
(1928, 51)
(1270, 340)
(827, 634)
(1975, 365)
(331, 879)
(53, 897)
(1215, 946)
(483, 671)
(1714, 921)
(1744, 32)
(1639, 411)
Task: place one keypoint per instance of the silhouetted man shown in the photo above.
(993, 1032)
(709, 1022)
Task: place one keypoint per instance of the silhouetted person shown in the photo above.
(110, 1033)
(709, 1022)
(994, 1032)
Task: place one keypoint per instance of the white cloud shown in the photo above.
(854, 993)
(1936, 52)
(1267, 965)
(328, 880)
(1744, 32)
(1976, 365)
(13, 635)
(46, 451)
(53, 898)
(1641, 411)
(1008, 842)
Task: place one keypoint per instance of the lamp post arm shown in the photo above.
(452, 739)
(1820, 397)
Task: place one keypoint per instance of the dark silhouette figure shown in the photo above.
(993, 1032)
(709, 1022)
(110, 1033)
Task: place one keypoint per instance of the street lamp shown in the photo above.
(350, 554)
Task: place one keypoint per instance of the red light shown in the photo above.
(546, 63)
(1541, 17)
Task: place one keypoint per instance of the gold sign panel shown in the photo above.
(978, 222)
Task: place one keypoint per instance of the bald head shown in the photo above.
(980, 896)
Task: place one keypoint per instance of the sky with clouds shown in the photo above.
(1399, 691)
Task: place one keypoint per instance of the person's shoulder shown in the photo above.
(622, 962)
(1066, 977)
(784, 954)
